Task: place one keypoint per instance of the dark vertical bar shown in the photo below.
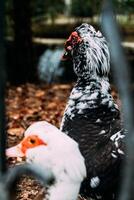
(120, 68)
(23, 55)
(2, 91)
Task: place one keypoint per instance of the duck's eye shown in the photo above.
(32, 141)
(74, 38)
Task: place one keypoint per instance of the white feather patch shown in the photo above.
(94, 182)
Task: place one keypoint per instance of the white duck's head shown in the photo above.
(89, 51)
(50, 149)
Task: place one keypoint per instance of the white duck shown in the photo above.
(46, 146)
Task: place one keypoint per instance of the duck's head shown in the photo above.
(36, 137)
(89, 51)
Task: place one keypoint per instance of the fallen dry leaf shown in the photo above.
(16, 131)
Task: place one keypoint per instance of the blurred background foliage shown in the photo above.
(86, 9)
(44, 10)
(40, 27)
(48, 8)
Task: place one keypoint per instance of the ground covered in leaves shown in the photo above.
(26, 104)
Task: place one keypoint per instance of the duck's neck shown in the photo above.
(94, 84)
(63, 191)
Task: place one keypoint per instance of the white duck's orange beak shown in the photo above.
(15, 151)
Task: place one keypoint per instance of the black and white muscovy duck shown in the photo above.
(51, 150)
(91, 116)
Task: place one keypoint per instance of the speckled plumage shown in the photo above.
(91, 116)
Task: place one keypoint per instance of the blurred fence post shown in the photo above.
(23, 48)
(2, 90)
(122, 79)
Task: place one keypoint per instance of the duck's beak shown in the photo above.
(15, 151)
(67, 54)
